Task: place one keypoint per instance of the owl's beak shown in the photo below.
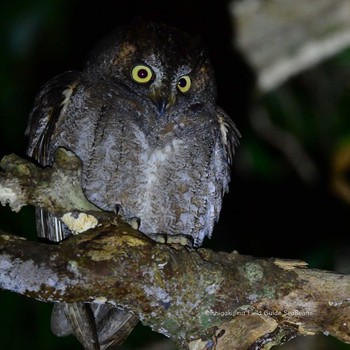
(161, 101)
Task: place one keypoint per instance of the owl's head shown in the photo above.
(156, 62)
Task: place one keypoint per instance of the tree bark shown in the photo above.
(199, 298)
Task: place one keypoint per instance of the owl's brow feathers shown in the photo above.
(125, 50)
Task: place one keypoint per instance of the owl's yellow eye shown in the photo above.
(141, 74)
(184, 83)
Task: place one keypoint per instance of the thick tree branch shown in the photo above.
(282, 38)
(199, 298)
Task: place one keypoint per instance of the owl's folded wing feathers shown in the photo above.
(80, 319)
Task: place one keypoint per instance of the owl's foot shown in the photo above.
(186, 241)
(172, 240)
(135, 223)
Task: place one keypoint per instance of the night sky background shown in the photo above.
(270, 210)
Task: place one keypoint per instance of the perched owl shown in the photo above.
(142, 117)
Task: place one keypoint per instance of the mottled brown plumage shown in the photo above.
(142, 117)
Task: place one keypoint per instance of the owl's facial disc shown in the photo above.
(160, 84)
(163, 101)
(145, 75)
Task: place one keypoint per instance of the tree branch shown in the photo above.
(282, 38)
(199, 298)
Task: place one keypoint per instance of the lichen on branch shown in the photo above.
(57, 188)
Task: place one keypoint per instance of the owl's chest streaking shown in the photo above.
(166, 170)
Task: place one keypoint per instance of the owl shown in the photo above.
(143, 119)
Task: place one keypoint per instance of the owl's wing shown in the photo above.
(229, 134)
(50, 104)
(95, 327)
(226, 140)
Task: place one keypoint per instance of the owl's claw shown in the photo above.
(186, 241)
(134, 222)
(157, 237)
(171, 240)
(118, 210)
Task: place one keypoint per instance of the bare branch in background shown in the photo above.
(282, 38)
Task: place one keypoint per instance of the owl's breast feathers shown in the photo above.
(170, 171)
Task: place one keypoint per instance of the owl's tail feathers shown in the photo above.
(113, 325)
(96, 326)
(77, 319)
(49, 227)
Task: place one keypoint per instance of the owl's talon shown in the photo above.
(183, 240)
(157, 237)
(186, 241)
(134, 222)
(118, 210)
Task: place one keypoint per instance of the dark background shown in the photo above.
(270, 210)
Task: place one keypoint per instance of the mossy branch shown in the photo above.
(199, 298)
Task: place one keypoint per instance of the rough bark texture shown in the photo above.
(199, 298)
